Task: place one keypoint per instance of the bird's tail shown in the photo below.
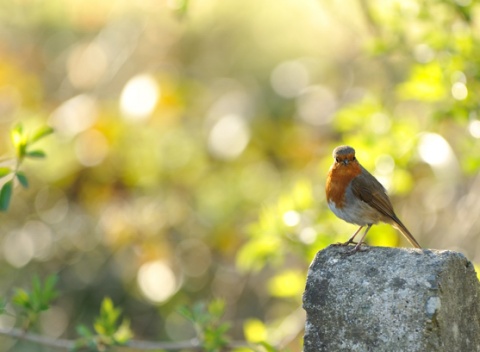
(401, 227)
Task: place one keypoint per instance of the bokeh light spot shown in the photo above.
(423, 53)
(91, 147)
(308, 235)
(41, 237)
(434, 149)
(233, 100)
(459, 91)
(139, 97)
(54, 321)
(86, 65)
(291, 218)
(157, 281)
(474, 128)
(384, 164)
(228, 137)
(289, 78)
(75, 115)
(316, 105)
(380, 123)
(18, 249)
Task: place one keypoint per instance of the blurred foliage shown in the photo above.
(22, 144)
(210, 330)
(108, 331)
(192, 139)
(32, 303)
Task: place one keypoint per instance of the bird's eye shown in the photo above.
(354, 158)
(337, 160)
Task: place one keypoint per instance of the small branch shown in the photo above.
(175, 346)
(38, 339)
(169, 346)
(64, 344)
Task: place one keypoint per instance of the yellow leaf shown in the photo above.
(426, 83)
(255, 253)
(255, 330)
(290, 283)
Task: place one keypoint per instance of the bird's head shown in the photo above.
(344, 155)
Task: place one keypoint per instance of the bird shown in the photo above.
(356, 196)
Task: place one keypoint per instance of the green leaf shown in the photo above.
(38, 154)
(4, 171)
(268, 347)
(206, 318)
(87, 339)
(224, 328)
(36, 294)
(6, 195)
(38, 299)
(123, 333)
(106, 323)
(83, 331)
(19, 140)
(186, 313)
(42, 296)
(22, 179)
(21, 298)
(216, 308)
(40, 133)
(17, 134)
(49, 288)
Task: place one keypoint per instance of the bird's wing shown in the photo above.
(368, 189)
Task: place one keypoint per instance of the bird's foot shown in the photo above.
(357, 248)
(344, 244)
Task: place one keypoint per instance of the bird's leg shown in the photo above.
(350, 240)
(357, 247)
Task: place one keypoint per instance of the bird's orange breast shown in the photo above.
(338, 179)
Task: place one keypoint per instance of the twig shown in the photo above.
(38, 339)
(64, 344)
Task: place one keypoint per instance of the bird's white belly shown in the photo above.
(357, 212)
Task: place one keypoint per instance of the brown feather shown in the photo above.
(362, 186)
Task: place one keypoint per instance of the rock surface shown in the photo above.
(391, 299)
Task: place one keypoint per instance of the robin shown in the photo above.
(357, 197)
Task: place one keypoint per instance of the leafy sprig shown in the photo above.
(108, 330)
(32, 303)
(206, 318)
(23, 144)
